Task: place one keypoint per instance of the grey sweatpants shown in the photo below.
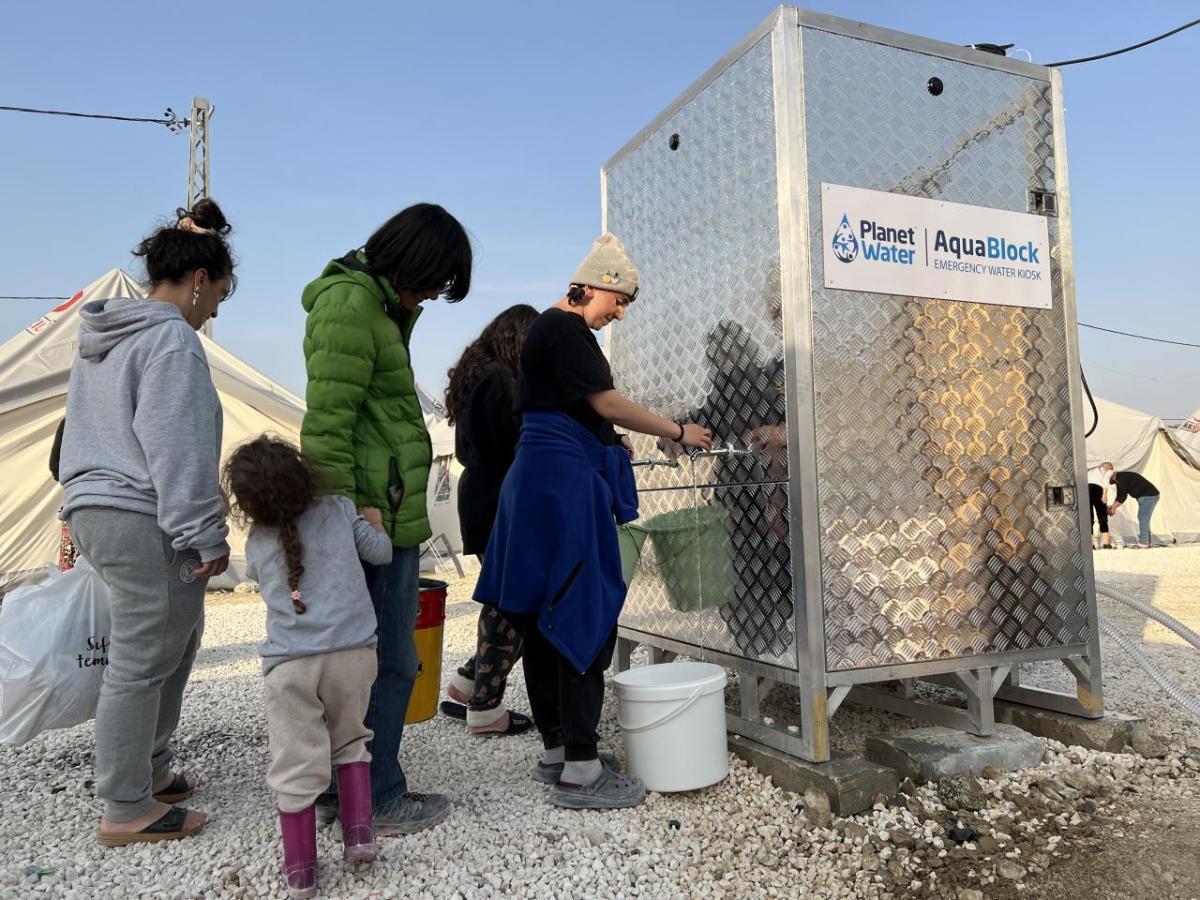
(315, 710)
(157, 622)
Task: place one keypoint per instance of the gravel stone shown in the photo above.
(1011, 870)
(959, 792)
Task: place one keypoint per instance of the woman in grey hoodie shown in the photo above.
(139, 465)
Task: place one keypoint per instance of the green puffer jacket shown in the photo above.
(364, 430)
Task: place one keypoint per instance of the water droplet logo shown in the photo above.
(845, 244)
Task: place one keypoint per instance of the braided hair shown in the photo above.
(271, 484)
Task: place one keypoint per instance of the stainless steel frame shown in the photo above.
(630, 186)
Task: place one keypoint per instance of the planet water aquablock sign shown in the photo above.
(887, 243)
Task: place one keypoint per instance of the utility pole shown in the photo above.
(199, 151)
(199, 158)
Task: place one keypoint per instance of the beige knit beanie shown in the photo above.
(608, 267)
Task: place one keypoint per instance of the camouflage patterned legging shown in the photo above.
(497, 651)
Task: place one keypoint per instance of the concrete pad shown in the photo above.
(1111, 733)
(851, 784)
(928, 754)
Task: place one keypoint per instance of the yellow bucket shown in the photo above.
(428, 635)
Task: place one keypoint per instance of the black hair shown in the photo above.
(422, 248)
(500, 343)
(195, 240)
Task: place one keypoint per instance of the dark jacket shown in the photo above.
(485, 441)
(1131, 484)
(554, 551)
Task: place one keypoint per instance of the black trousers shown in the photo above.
(1099, 510)
(566, 704)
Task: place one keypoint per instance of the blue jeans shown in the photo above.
(1145, 511)
(393, 589)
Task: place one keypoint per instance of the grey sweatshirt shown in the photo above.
(339, 613)
(143, 426)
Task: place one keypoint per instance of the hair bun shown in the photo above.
(206, 215)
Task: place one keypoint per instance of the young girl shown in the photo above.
(319, 656)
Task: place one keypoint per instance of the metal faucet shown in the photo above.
(731, 450)
(657, 461)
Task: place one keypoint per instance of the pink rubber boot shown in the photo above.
(300, 852)
(358, 828)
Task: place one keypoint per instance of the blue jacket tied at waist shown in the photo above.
(553, 549)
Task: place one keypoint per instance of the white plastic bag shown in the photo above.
(53, 650)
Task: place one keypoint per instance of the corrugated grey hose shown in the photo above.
(1156, 614)
(1153, 669)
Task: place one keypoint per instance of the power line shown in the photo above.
(30, 297)
(1140, 337)
(173, 123)
(1190, 384)
(1146, 43)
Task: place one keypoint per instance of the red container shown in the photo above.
(431, 616)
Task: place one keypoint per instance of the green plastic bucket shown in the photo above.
(694, 556)
(630, 539)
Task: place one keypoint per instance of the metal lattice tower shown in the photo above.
(199, 151)
(199, 157)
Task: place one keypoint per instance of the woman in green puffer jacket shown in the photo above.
(365, 433)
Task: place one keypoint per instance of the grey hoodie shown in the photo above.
(143, 426)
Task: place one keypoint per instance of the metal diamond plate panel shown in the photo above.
(938, 423)
(704, 339)
(722, 581)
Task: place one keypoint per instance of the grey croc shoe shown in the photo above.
(544, 773)
(610, 791)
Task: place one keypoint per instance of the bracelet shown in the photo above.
(682, 432)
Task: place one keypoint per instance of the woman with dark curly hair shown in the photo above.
(319, 655)
(139, 464)
(481, 402)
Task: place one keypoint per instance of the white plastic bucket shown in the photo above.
(672, 717)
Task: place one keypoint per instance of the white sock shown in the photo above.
(555, 756)
(581, 771)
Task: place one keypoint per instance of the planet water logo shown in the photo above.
(845, 244)
(875, 242)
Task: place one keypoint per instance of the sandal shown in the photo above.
(453, 710)
(169, 827)
(518, 723)
(177, 791)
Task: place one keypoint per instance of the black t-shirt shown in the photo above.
(561, 365)
(1131, 484)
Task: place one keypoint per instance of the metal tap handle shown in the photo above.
(657, 461)
(731, 450)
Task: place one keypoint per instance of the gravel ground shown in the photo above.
(743, 838)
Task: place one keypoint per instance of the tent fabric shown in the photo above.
(34, 369)
(1187, 437)
(1139, 442)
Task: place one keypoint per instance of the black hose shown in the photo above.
(1091, 400)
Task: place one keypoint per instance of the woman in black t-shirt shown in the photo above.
(481, 402)
(553, 565)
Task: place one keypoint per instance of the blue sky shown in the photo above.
(330, 119)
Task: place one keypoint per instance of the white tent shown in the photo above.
(1139, 442)
(442, 495)
(1187, 436)
(34, 367)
